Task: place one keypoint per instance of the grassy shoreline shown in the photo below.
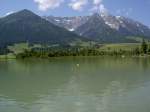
(14, 57)
(24, 50)
(10, 58)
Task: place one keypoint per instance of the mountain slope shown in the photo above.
(104, 28)
(108, 28)
(96, 28)
(133, 27)
(26, 26)
(69, 23)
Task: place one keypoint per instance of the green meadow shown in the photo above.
(120, 46)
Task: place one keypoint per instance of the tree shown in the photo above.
(137, 51)
(144, 47)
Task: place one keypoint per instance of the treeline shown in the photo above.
(45, 53)
(4, 51)
(86, 52)
(144, 49)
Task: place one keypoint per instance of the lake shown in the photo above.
(81, 84)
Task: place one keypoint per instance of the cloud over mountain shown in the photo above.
(97, 2)
(78, 4)
(44, 5)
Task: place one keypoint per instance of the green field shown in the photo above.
(19, 48)
(108, 48)
(121, 46)
(8, 56)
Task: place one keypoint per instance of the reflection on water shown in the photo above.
(83, 84)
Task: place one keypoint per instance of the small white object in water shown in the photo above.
(123, 56)
(78, 65)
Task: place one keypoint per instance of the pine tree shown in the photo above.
(144, 47)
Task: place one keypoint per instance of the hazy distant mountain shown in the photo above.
(103, 27)
(25, 26)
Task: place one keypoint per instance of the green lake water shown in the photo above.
(81, 84)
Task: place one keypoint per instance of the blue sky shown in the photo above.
(136, 9)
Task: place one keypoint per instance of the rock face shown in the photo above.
(26, 26)
(70, 23)
(103, 27)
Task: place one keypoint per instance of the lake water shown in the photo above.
(83, 84)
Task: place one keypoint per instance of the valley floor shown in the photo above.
(23, 50)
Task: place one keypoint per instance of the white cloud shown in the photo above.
(102, 8)
(44, 5)
(97, 2)
(78, 4)
(99, 7)
(96, 6)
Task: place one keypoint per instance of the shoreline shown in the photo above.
(3, 57)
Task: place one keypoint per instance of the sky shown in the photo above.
(138, 10)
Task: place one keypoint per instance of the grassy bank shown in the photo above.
(121, 46)
(24, 50)
(8, 56)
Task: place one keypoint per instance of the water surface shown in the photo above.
(81, 84)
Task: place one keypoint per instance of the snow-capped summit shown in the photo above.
(102, 26)
(70, 23)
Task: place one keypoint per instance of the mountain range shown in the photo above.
(25, 26)
(104, 28)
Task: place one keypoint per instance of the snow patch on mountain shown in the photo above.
(57, 20)
(111, 21)
(71, 29)
(69, 23)
(121, 24)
